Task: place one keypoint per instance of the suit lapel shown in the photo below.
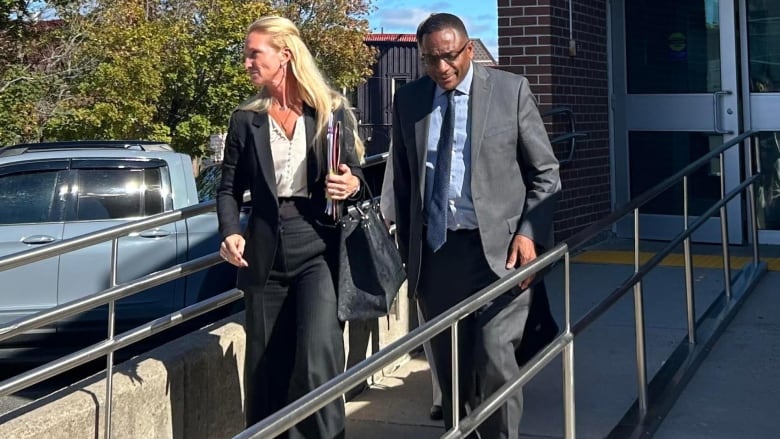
(480, 96)
(421, 125)
(312, 151)
(263, 150)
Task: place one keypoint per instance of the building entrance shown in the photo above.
(675, 88)
(687, 77)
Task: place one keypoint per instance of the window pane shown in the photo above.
(119, 193)
(109, 194)
(30, 197)
(768, 194)
(656, 156)
(763, 43)
(673, 46)
(154, 196)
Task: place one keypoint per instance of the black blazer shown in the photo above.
(248, 164)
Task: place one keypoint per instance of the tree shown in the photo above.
(169, 70)
(38, 70)
(334, 31)
(204, 76)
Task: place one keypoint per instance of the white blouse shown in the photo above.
(289, 159)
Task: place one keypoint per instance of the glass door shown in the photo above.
(675, 98)
(760, 41)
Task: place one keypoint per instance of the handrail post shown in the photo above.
(111, 330)
(568, 358)
(724, 229)
(689, 297)
(455, 372)
(753, 149)
(639, 325)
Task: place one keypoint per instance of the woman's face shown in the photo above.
(262, 61)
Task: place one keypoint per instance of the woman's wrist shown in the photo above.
(356, 190)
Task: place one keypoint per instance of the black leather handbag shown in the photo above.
(370, 269)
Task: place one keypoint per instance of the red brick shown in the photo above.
(541, 29)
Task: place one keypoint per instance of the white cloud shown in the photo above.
(399, 20)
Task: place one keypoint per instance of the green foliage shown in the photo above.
(18, 105)
(169, 70)
(334, 30)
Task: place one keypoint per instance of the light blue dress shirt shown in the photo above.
(461, 213)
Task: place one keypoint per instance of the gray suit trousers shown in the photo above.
(487, 339)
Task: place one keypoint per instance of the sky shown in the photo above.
(403, 16)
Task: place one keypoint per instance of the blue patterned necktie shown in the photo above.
(437, 208)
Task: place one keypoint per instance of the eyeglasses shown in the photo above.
(449, 58)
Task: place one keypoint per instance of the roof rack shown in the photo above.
(136, 145)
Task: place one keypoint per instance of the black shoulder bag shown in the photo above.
(370, 268)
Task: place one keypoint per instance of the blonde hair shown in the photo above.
(313, 89)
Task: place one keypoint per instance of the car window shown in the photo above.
(116, 193)
(207, 182)
(30, 197)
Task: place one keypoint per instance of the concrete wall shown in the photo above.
(189, 388)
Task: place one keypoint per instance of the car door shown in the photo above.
(111, 192)
(31, 203)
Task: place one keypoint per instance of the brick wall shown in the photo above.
(533, 40)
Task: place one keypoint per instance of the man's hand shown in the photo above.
(521, 252)
(342, 186)
(232, 250)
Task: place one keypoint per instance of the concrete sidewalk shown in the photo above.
(734, 394)
(605, 370)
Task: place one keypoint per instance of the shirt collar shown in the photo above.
(464, 87)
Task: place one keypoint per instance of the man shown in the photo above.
(475, 180)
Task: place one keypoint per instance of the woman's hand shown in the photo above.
(343, 185)
(232, 250)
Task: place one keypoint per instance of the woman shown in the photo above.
(275, 148)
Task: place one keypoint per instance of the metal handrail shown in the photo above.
(656, 259)
(582, 237)
(108, 296)
(78, 242)
(375, 159)
(571, 136)
(97, 350)
(318, 398)
(334, 388)
(86, 303)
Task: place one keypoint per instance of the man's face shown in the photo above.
(446, 56)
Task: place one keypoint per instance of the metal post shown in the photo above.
(455, 371)
(639, 325)
(568, 359)
(111, 329)
(724, 229)
(689, 298)
(753, 147)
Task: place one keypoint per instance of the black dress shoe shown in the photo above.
(436, 413)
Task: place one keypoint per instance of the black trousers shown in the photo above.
(486, 340)
(294, 338)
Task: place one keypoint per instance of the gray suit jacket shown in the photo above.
(514, 175)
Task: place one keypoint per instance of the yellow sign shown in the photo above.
(677, 41)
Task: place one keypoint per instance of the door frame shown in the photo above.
(703, 105)
(759, 110)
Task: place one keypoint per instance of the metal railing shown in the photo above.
(310, 403)
(564, 343)
(571, 136)
(113, 342)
